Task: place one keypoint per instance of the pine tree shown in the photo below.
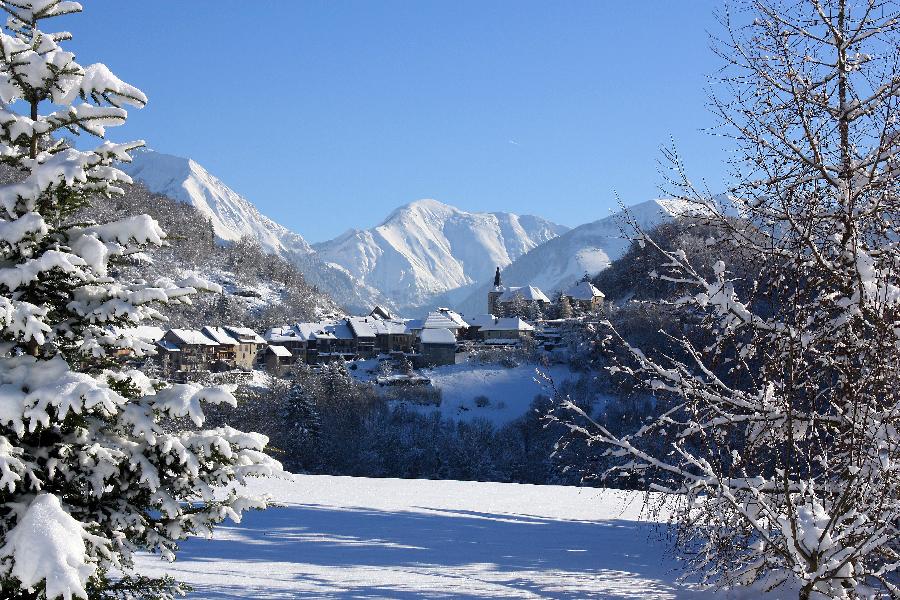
(780, 444)
(88, 474)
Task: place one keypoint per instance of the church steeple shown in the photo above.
(497, 282)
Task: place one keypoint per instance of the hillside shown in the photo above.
(426, 248)
(233, 218)
(259, 289)
(344, 537)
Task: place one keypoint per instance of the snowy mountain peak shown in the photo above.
(425, 248)
(232, 215)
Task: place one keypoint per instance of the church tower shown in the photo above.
(495, 293)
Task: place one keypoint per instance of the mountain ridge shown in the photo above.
(425, 248)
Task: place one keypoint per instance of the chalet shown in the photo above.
(393, 336)
(437, 346)
(584, 296)
(506, 330)
(186, 350)
(225, 351)
(277, 359)
(249, 346)
(364, 335)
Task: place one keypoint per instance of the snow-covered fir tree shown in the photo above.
(89, 474)
(780, 446)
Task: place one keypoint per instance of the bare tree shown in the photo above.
(780, 453)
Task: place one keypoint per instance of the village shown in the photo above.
(516, 317)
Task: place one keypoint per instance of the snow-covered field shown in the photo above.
(345, 537)
(509, 391)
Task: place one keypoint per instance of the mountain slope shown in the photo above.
(427, 248)
(589, 248)
(233, 217)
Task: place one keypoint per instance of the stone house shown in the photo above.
(249, 347)
(186, 350)
(437, 346)
(277, 359)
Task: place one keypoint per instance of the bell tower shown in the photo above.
(495, 293)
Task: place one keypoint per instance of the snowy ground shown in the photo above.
(344, 537)
(510, 391)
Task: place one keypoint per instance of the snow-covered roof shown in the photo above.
(481, 320)
(381, 313)
(392, 327)
(508, 324)
(340, 330)
(280, 351)
(298, 332)
(192, 337)
(168, 346)
(220, 336)
(444, 318)
(583, 290)
(438, 336)
(146, 333)
(244, 334)
(528, 293)
(363, 327)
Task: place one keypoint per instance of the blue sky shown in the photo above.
(330, 114)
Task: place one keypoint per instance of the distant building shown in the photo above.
(278, 359)
(249, 346)
(500, 297)
(584, 296)
(186, 350)
(225, 353)
(442, 318)
(506, 330)
(437, 346)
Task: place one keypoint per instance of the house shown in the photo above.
(437, 346)
(225, 351)
(249, 346)
(506, 330)
(501, 298)
(299, 339)
(584, 296)
(442, 318)
(277, 359)
(186, 350)
(476, 323)
(393, 336)
(364, 335)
